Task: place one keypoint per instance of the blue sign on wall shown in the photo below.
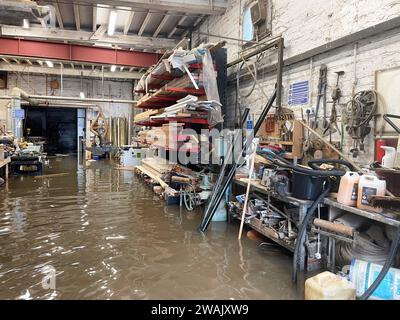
(298, 93)
(18, 114)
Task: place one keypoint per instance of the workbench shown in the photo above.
(336, 209)
(4, 163)
(303, 206)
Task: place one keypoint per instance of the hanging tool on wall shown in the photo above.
(357, 116)
(322, 86)
(336, 95)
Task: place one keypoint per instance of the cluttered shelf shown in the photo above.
(5, 162)
(256, 186)
(160, 122)
(171, 92)
(384, 217)
(269, 232)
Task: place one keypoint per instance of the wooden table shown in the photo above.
(4, 163)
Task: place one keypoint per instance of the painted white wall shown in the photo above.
(36, 84)
(306, 25)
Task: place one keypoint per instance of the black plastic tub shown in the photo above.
(307, 187)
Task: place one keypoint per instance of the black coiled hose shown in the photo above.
(386, 267)
(313, 171)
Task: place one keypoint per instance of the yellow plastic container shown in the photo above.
(329, 286)
(369, 186)
(348, 189)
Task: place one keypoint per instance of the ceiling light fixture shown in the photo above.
(25, 24)
(50, 64)
(111, 22)
(113, 68)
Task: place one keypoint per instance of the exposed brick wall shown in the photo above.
(306, 25)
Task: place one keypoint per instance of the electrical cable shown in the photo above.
(190, 198)
(280, 162)
(246, 95)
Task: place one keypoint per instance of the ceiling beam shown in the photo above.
(181, 20)
(195, 25)
(16, 61)
(128, 22)
(161, 25)
(207, 7)
(68, 72)
(5, 60)
(145, 23)
(94, 19)
(84, 37)
(58, 15)
(77, 17)
(74, 53)
(28, 62)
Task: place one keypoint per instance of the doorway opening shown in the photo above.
(57, 127)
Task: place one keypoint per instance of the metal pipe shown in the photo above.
(255, 52)
(279, 80)
(213, 206)
(80, 99)
(17, 93)
(226, 160)
(62, 74)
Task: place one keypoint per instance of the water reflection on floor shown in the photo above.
(106, 235)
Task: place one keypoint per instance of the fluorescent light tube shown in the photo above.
(49, 64)
(113, 68)
(25, 24)
(111, 22)
(82, 95)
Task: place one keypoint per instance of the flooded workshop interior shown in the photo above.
(199, 150)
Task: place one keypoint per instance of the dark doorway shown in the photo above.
(58, 126)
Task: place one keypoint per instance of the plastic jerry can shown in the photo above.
(369, 186)
(329, 286)
(348, 189)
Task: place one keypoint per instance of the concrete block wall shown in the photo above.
(306, 25)
(40, 85)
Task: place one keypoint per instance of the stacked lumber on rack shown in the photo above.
(146, 115)
(158, 169)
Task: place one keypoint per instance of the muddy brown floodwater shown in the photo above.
(104, 235)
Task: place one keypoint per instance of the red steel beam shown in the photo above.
(78, 53)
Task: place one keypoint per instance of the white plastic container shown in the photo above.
(369, 186)
(348, 189)
(220, 214)
(389, 158)
(363, 274)
(131, 157)
(329, 286)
